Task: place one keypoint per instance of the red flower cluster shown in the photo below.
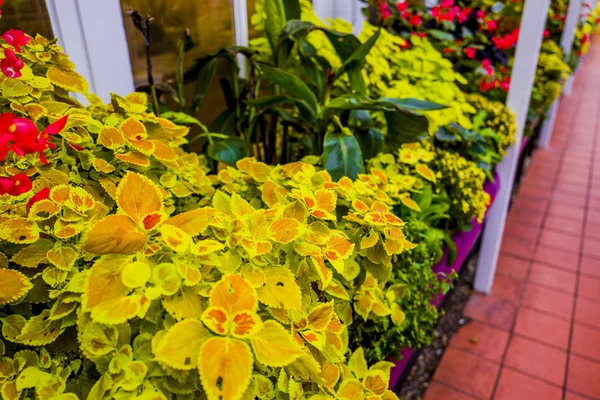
(447, 11)
(487, 66)
(16, 38)
(507, 41)
(414, 20)
(487, 84)
(21, 136)
(16, 185)
(385, 11)
(11, 65)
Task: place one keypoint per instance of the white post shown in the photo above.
(93, 35)
(566, 42)
(573, 15)
(349, 10)
(533, 22)
(240, 20)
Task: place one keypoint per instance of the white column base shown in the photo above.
(548, 126)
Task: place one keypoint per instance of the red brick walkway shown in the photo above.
(537, 336)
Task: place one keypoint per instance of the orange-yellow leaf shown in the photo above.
(135, 158)
(138, 196)
(115, 234)
(192, 222)
(326, 200)
(163, 152)
(274, 346)
(225, 367)
(410, 203)
(208, 246)
(245, 324)
(425, 172)
(19, 230)
(104, 281)
(118, 310)
(233, 294)
(216, 319)
(134, 129)
(320, 316)
(13, 285)
(69, 80)
(101, 165)
(180, 346)
(111, 138)
(284, 230)
(280, 289)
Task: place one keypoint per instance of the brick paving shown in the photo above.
(537, 335)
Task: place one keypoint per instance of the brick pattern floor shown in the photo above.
(537, 335)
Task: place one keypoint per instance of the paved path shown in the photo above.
(537, 336)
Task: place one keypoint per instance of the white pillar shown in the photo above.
(533, 22)
(349, 10)
(240, 21)
(566, 43)
(93, 35)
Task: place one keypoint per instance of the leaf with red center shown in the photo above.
(133, 129)
(324, 273)
(151, 220)
(245, 324)
(215, 318)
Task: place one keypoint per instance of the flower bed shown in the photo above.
(465, 241)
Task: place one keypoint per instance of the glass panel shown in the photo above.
(211, 26)
(30, 16)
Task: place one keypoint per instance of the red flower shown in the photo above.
(11, 65)
(448, 50)
(419, 34)
(505, 84)
(447, 3)
(546, 33)
(385, 11)
(486, 85)
(415, 20)
(487, 66)
(402, 6)
(463, 15)
(480, 14)
(15, 185)
(22, 136)
(470, 52)
(491, 25)
(41, 195)
(16, 38)
(405, 14)
(405, 45)
(504, 70)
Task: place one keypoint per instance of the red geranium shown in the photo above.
(415, 20)
(16, 38)
(402, 6)
(385, 11)
(491, 25)
(39, 196)
(546, 33)
(23, 137)
(470, 52)
(15, 185)
(11, 65)
(487, 66)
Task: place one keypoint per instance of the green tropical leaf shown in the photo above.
(358, 56)
(228, 151)
(405, 126)
(291, 84)
(414, 104)
(371, 142)
(342, 156)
